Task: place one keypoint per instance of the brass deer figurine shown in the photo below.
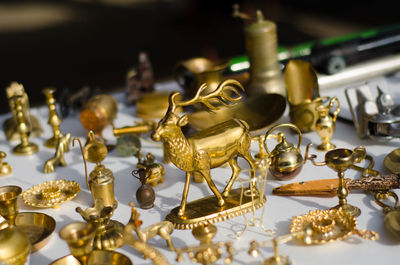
(209, 148)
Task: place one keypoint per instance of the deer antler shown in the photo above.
(227, 93)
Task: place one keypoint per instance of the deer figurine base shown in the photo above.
(206, 210)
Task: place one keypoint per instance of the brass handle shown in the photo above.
(289, 125)
(336, 112)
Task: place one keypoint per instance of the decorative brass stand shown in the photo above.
(25, 147)
(54, 120)
(5, 168)
(325, 125)
(14, 244)
(340, 160)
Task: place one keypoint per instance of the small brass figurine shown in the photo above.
(14, 244)
(5, 168)
(25, 147)
(58, 159)
(101, 182)
(340, 160)
(325, 125)
(145, 194)
(11, 125)
(163, 229)
(286, 160)
(54, 120)
(155, 171)
(209, 148)
(109, 233)
(207, 252)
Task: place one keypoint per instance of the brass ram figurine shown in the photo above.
(209, 148)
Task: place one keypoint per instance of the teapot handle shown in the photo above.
(336, 112)
(289, 125)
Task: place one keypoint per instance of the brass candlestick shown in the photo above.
(14, 244)
(340, 160)
(325, 125)
(109, 233)
(25, 147)
(54, 120)
(5, 168)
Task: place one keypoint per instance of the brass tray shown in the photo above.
(50, 193)
(37, 226)
(97, 257)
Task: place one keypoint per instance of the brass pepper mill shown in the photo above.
(101, 179)
(262, 50)
(14, 244)
(54, 120)
(25, 147)
(325, 125)
(5, 168)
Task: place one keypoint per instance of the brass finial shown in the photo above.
(54, 120)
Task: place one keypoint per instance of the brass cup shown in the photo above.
(8, 202)
(305, 114)
(79, 237)
(341, 159)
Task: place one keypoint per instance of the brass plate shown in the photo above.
(97, 257)
(67, 260)
(206, 210)
(37, 226)
(392, 161)
(50, 193)
(258, 112)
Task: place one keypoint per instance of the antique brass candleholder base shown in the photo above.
(340, 160)
(206, 210)
(109, 233)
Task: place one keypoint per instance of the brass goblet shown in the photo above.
(79, 237)
(340, 160)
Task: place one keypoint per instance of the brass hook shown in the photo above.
(84, 159)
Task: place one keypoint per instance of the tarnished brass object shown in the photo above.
(54, 120)
(51, 193)
(392, 213)
(155, 172)
(109, 233)
(262, 50)
(286, 160)
(14, 244)
(58, 159)
(192, 73)
(207, 252)
(323, 226)
(98, 112)
(5, 168)
(101, 180)
(325, 125)
(25, 147)
(11, 125)
(163, 229)
(209, 148)
(340, 160)
(303, 94)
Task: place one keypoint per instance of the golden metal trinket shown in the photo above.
(392, 213)
(323, 226)
(325, 125)
(54, 119)
(5, 168)
(58, 159)
(51, 193)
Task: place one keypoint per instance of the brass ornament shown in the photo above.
(5, 168)
(54, 119)
(109, 233)
(25, 147)
(276, 259)
(286, 160)
(392, 213)
(58, 159)
(155, 172)
(145, 194)
(14, 244)
(51, 194)
(323, 226)
(392, 161)
(325, 125)
(11, 125)
(209, 148)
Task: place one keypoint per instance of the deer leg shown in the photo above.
(235, 172)
(182, 209)
(252, 165)
(211, 184)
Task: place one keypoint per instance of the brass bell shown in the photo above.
(286, 160)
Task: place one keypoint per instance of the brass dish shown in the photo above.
(51, 193)
(37, 226)
(97, 257)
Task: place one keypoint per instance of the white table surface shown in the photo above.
(27, 172)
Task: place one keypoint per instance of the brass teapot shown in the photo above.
(286, 160)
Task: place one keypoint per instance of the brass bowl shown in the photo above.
(97, 257)
(50, 193)
(37, 226)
